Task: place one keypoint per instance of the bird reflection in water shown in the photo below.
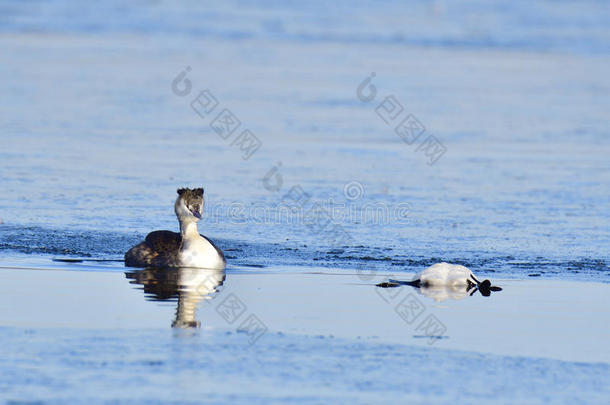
(438, 293)
(188, 285)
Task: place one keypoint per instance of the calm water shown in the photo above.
(98, 130)
(89, 336)
(95, 142)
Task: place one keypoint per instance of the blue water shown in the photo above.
(94, 141)
(98, 130)
(178, 369)
(579, 27)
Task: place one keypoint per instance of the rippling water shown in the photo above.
(95, 142)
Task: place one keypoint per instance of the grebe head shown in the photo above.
(486, 288)
(189, 204)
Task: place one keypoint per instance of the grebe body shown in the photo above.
(185, 249)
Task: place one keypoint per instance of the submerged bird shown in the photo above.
(185, 249)
(444, 280)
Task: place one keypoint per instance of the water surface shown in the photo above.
(95, 140)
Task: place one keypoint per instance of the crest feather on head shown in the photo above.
(187, 192)
(194, 191)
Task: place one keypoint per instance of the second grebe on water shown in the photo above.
(185, 249)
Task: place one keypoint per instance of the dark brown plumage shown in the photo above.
(160, 248)
(163, 248)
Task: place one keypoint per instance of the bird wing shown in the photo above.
(164, 242)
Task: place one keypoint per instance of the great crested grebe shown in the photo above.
(454, 277)
(185, 249)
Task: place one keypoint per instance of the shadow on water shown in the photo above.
(187, 286)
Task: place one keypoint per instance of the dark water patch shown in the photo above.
(368, 258)
(81, 245)
(362, 258)
(65, 242)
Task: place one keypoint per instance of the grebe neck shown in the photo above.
(188, 229)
